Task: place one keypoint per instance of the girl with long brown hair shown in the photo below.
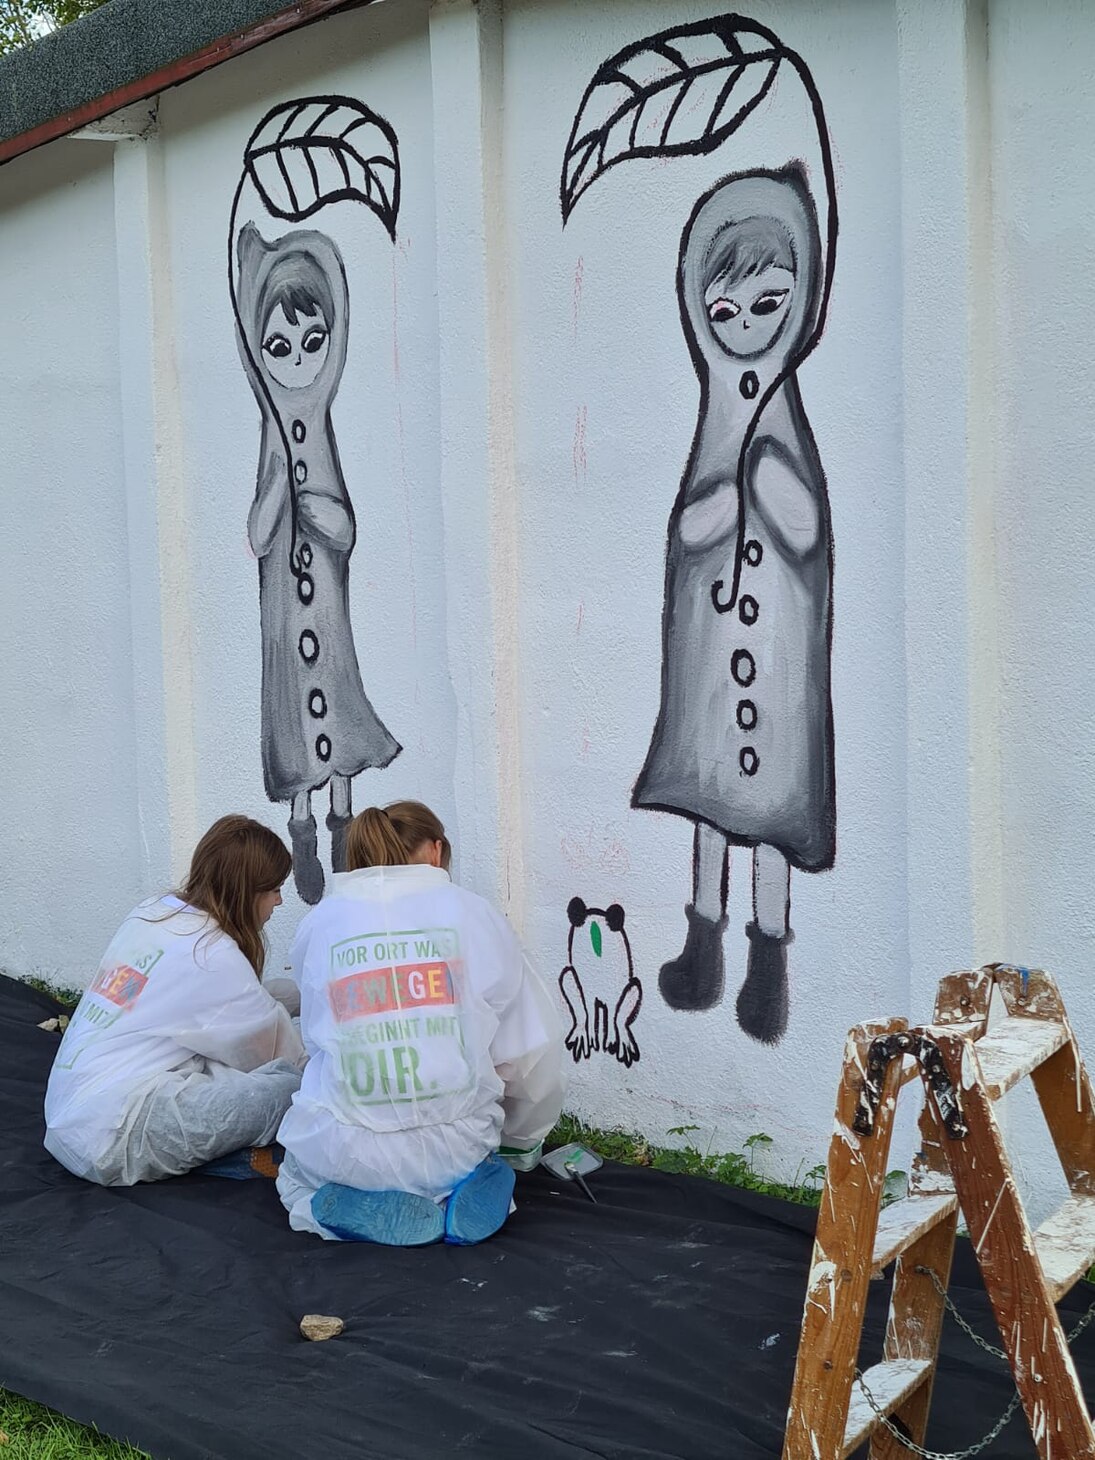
(436, 1055)
(176, 1054)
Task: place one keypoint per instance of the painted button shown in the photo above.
(317, 704)
(747, 715)
(749, 384)
(323, 747)
(305, 588)
(299, 432)
(306, 554)
(743, 667)
(300, 472)
(749, 761)
(308, 645)
(753, 552)
(748, 608)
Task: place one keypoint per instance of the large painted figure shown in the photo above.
(743, 744)
(292, 308)
(317, 723)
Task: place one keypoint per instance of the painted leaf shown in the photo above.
(595, 937)
(322, 149)
(679, 93)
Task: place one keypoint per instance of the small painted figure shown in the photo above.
(317, 723)
(604, 971)
(743, 744)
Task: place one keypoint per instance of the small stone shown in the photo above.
(4, 1439)
(50, 1025)
(318, 1328)
(62, 1022)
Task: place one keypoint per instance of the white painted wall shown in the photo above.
(71, 842)
(513, 420)
(1043, 220)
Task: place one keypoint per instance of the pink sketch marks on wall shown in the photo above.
(292, 307)
(743, 743)
(600, 969)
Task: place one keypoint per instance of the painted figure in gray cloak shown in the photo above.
(743, 744)
(317, 723)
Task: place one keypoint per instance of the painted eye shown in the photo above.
(722, 310)
(770, 302)
(314, 340)
(595, 937)
(277, 346)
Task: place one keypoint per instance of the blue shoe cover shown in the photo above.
(479, 1204)
(390, 1218)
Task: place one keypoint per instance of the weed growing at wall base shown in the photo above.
(733, 1168)
(69, 997)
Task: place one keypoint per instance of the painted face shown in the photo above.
(746, 317)
(294, 353)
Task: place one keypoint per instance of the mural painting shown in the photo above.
(600, 966)
(743, 742)
(291, 303)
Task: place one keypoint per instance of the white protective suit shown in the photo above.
(432, 1042)
(175, 1055)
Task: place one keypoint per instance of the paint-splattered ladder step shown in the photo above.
(1014, 1048)
(890, 1383)
(1065, 1244)
(902, 1223)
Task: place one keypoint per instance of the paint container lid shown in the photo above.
(571, 1160)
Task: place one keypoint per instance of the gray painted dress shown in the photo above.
(316, 718)
(744, 736)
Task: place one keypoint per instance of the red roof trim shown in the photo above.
(291, 18)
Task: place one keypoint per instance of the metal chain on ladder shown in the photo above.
(982, 1444)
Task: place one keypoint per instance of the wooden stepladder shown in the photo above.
(965, 1067)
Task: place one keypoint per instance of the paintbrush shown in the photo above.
(572, 1167)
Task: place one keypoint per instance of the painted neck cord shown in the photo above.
(296, 565)
(796, 359)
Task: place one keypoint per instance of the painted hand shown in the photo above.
(325, 517)
(710, 518)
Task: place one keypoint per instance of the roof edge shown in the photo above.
(183, 68)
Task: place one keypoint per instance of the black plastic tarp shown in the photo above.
(660, 1322)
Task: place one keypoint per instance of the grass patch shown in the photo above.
(732, 1168)
(69, 997)
(32, 1432)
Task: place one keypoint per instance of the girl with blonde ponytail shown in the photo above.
(436, 1056)
(394, 835)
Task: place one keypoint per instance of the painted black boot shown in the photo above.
(337, 825)
(307, 872)
(696, 979)
(764, 1001)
